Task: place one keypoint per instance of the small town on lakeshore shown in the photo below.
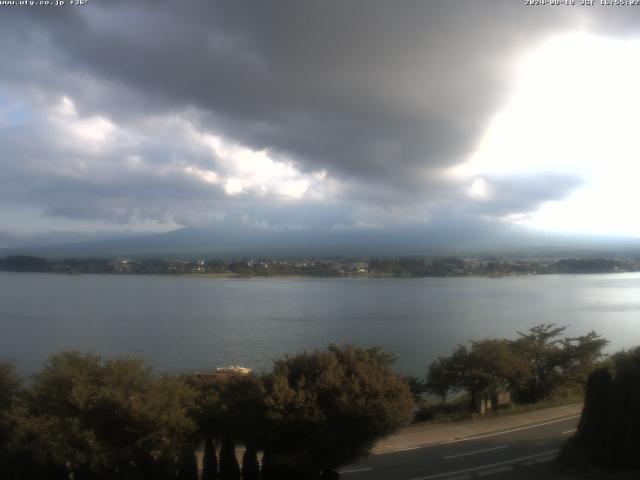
(410, 266)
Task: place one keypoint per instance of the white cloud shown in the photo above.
(259, 172)
(81, 168)
(89, 134)
(479, 189)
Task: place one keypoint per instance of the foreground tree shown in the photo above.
(233, 410)
(533, 367)
(609, 430)
(104, 417)
(556, 362)
(94, 419)
(597, 415)
(187, 465)
(10, 389)
(482, 370)
(327, 409)
(417, 386)
(209, 459)
(542, 346)
(582, 356)
(445, 374)
(250, 465)
(229, 468)
(492, 366)
(10, 385)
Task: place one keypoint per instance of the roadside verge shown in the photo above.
(417, 436)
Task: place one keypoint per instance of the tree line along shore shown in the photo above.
(85, 417)
(379, 266)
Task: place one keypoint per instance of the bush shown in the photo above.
(609, 431)
(101, 417)
(440, 412)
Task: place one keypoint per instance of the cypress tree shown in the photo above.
(267, 472)
(209, 460)
(188, 465)
(250, 466)
(229, 468)
(595, 423)
(609, 430)
(625, 447)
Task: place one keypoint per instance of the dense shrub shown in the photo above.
(93, 419)
(609, 431)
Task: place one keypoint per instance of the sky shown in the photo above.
(463, 118)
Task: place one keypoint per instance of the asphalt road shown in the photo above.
(516, 453)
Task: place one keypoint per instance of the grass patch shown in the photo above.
(458, 409)
(442, 412)
(556, 401)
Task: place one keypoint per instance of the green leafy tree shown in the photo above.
(492, 366)
(328, 408)
(556, 362)
(582, 355)
(10, 385)
(102, 417)
(10, 389)
(417, 386)
(445, 374)
(541, 345)
(532, 367)
(482, 370)
(234, 409)
(243, 408)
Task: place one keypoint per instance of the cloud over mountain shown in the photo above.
(284, 115)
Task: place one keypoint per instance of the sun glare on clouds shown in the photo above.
(259, 172)
(573, 110)
(235, 168)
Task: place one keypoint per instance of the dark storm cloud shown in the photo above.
(381, 95)
(370, 89)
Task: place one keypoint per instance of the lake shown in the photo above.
(180, 324)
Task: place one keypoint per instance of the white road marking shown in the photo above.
(355, 470)
(477, 451)
(408, 449)
(466, 439)
(484, 467)
(495, 470)
(542, 460)
(567, 432)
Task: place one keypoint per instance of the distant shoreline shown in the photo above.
(233, 276)
(377, 267)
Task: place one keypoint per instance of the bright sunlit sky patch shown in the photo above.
(573, 110)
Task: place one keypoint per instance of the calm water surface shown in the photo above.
(186, 323)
